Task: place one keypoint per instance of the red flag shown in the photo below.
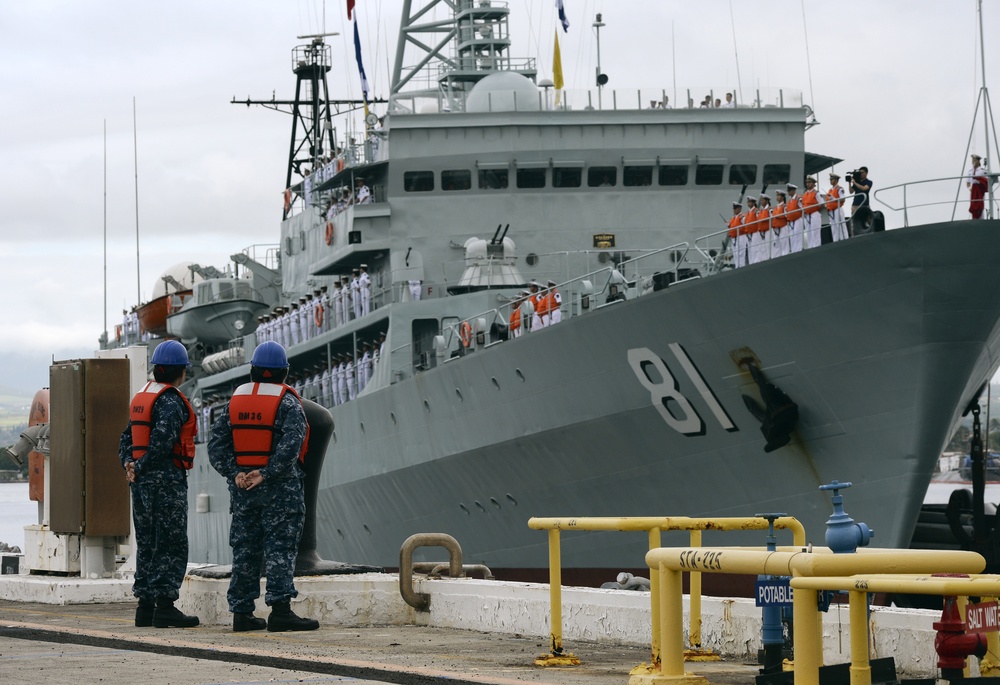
(350, 6)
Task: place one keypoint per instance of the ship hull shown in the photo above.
(637, 408)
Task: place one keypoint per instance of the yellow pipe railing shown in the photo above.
(653, 525)
(810, 573)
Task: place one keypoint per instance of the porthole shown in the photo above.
(493, 501)
(496, 383)
(531, 258)
(510, 497)
(519, 374)
(464, 508)
(479, 506)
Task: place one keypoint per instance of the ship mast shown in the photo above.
(988, 126)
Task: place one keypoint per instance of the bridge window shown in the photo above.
(531, 178)
(418, 181)
(493, 179)
(742, 174)
(602, 176)
(563, 177)
(777, 173)
(457, 179)
(637, 176)
(709, 174)
(674, 175)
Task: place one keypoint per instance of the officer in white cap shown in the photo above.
(779, 225)
(748, 228)
(760, 246)
(356, 292)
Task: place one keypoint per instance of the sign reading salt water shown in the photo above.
(773, 592)
(981, 618)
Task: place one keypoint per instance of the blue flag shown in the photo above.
(562, 15)
(361, 66)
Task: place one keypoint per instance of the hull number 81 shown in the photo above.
(664, 390)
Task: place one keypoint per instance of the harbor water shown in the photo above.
(16, 512)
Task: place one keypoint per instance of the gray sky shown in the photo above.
(894, 86)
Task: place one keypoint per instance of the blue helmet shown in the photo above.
(170, 353)
(269, 355)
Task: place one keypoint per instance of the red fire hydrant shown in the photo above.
(952, 643)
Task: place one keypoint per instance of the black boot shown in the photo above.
(282, 618)
(243, 622)
(166, 615)
(144, 613)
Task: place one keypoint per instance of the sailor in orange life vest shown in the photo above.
(156, 450)
(739, 256)
(812, 218)
(793, 208)
(835, 208)
(259, 445)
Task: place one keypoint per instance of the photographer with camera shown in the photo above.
(859, 186)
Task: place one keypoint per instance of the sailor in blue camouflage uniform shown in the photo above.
(258, 446)
(156, 451)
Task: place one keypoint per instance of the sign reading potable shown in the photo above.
(773, 592)
(981, 618)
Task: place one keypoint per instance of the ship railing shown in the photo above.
(898, 198)
(433, 100)
(653, 526)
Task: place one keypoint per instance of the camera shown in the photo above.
(851, 174)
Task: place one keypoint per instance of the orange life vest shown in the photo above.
(515, 318)
(763, 219)
(809, 202)
(542, 308)
(141, 419)
(252, 411)
(792, 207)
(749, 221)
(778, 217)
(734, 225)
(835, 200)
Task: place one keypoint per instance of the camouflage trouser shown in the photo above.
(159, 510)
(267, 525)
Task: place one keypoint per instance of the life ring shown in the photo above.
(318, 315)
(329, 233)
(465, 333)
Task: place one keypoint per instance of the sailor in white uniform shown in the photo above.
(365, 286)
(286, 327)
(352, 388)
(793, 206)
(295, 333)
(347, 298)
(338, 304)
(835, 208)
(356, 293)
(341, 380)
(326, 389)
(364, 368)
(535, 299)
(527, 313)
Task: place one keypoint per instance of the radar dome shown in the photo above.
(503, 91)
(178, 272)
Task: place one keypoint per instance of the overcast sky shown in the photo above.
(894, 84)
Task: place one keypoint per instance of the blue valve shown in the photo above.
(843, 535)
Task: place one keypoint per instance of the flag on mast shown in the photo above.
(361, 66)
(557, 72)
(350, 7)
(562, 15)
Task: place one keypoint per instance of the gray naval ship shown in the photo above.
(673, 385)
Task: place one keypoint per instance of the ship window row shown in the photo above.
(529, 176)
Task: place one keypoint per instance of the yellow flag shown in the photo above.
(557, 75)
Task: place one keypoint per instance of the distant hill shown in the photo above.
(14, 400)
